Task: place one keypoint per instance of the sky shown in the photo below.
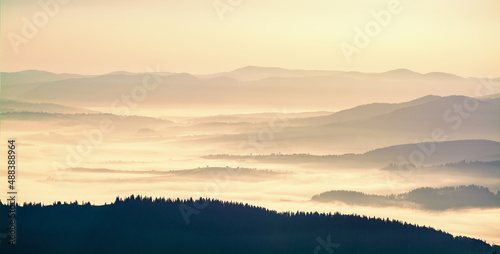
(207, 36)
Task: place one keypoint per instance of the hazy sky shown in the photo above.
(95, 36)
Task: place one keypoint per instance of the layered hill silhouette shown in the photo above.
(256, 86)
(144, 225)
(434, 123)
(460, 117)
(364, 112)
(459, 113)
(34, 76)
(427, 198)
(472, 166)
(253, 73)
(434, 153)
(21, 106)
(382, 124)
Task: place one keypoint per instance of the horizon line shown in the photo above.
(245, 67)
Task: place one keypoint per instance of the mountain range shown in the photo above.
(250, 86)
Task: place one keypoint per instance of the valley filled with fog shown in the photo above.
(286, 140)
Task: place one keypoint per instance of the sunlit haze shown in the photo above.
(270, 111)
(97, 37)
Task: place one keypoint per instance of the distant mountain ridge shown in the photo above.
(253, 73)
(441, 152)
(245, 86)
(34, 76)
(19, 106)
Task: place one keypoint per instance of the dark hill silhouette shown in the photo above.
(477, 168)
(443, 152)
(424, 198)
(144, 225)
(486, 165)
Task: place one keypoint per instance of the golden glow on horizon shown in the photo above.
(95, 37)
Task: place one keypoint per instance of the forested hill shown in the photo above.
(145, 225)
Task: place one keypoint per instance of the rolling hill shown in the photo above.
(144, 225)
(21, 106)
(439, 153)
(444, 198)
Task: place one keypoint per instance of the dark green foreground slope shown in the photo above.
(143, 225)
